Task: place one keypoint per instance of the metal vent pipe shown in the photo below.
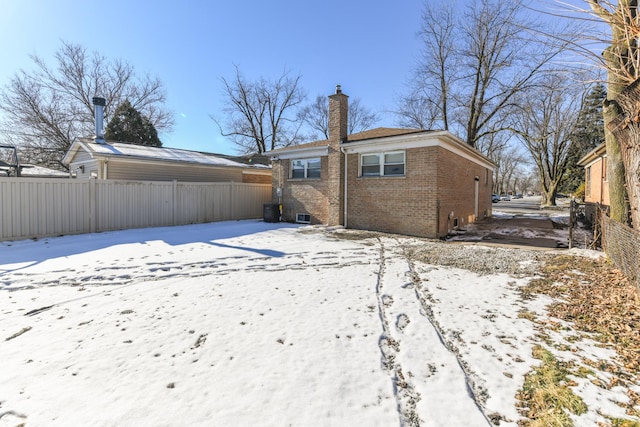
(99, 104)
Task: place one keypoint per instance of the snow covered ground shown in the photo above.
(247, 323)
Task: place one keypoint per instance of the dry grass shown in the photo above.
(599, 302)
(546, 394)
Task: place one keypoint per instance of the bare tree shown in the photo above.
(494, 145)
(261, 115)
(416, 111)
(475, 65)
(427, 102)
(316, 116)
(528, 182)
(45, 110)
(508, 160)
(545, 124)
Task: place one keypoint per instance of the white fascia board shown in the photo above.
(75, 147)
(591, 158)
(301, 153)
(594, 161)
(403, 142)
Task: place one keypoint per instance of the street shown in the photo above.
(529, 205)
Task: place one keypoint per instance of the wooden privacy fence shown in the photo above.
(50, 207)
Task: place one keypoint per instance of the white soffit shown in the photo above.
(302, 153)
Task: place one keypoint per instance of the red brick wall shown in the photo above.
(404, 205)
(597, 189)
(438, 187)
(301, 195)
(436, 183)
(456, 178)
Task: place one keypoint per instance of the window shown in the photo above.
(305, 168)
(303, 218)
(587, 186)
(382, 164)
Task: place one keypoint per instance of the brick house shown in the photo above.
(405, 181)
(596, 189)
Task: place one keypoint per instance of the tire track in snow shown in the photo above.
(476, 392)
(428, 374)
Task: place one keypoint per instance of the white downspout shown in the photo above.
(476, 179)
(346, 163)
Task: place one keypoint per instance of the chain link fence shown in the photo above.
(621, 244)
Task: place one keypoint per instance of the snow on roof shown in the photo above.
(163, 154)
(33, 171)
(37, 171)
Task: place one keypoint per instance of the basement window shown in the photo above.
(382, 164)
(303, 218)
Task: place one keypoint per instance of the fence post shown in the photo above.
(92, 205)
(174, 202)
(572, 212)
(232, 200)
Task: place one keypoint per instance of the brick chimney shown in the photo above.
(338, 119)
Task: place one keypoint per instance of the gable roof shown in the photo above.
(388, 138)
(141, 153)
(381, 133)
(359, 136)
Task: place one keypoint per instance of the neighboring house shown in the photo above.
(100, 159)
(116, 160)
(406, 181)
(596, 189)
(10, 166)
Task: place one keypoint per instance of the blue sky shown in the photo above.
(369, 47)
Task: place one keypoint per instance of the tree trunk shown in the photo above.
(625, 126)
(619, 210)
(549, 195)
(615, 166)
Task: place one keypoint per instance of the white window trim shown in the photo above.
(381, 163)
(306, 167)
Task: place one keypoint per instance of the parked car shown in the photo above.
(517, 196)
(495, 198)
(505, 197)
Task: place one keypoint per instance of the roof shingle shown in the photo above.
(381, 132)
